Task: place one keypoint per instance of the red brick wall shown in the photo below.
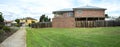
(63, 22)
(89, 13)
(65, 14)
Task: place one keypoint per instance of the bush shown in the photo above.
(7, 29)
(1, 31)
(14, 29)
(1, 26)
(18, 25)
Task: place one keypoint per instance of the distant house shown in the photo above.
(28, 20)
(8, 23)
(68, 17)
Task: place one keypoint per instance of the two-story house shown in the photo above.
(68, 17)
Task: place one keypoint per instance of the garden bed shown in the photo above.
(9, 31)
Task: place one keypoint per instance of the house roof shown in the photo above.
(28, 18)
(64, 10)
(82, 7)
(89, 7)
(7, 21)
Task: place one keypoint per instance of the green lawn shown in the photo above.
(73, 37)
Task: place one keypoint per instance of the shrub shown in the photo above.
(7, 29)
(1, 26)
(18, 25)
(1, 31)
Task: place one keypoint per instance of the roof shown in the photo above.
(64, 10)
(8, 21)
(89, 7)
(28, 18)
(82, 7)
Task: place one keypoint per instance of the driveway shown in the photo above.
(18, 39)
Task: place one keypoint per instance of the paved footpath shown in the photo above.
(18, 39)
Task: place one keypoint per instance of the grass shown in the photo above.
(74, 37)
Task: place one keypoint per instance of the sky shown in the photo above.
(13, 9)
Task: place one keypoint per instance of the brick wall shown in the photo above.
(89, 13)
(63, 22)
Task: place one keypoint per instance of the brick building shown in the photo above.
(67, 17)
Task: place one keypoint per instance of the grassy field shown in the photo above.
(73, 37)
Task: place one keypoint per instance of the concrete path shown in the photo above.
(18, 39)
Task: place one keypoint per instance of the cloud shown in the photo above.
(35, 8)
(85, 2)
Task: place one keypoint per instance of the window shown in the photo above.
(70, 14)
(58, 14)
(79, 11)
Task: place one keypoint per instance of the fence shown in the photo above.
(100, 23)
(41, 25)
(97, 23)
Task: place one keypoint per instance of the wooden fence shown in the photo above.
(100, 23)
(97, 23)
(41, 25)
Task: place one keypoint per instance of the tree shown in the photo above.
(106, 16)
(49, 19)
(1, 18)
(118, 18)
(33, 21)
(44, 18)
(17, 20)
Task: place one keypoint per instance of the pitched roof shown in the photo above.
(88, 7)
(63, 10)
(28, 18)
(66, 9)
(82, 7)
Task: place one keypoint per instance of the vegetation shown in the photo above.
(73, 37)
(5, 31)
(106, 16)
(1, 18)
(1, 21)
(118, 18)
(43, 18)
(33, 21)
(17, 20)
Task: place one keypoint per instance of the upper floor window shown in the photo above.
(70, 14)
(79, 11)
(58, 14)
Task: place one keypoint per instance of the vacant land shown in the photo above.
(74, 37)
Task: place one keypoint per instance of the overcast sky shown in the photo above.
(13, 9)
